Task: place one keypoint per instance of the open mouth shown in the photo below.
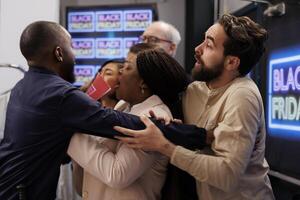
(198, 62)
(117, 85)
(198, 59)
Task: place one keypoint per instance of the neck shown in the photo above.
(221, 81)
(45, 65)
(140, 98)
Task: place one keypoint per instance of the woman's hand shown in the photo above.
(165, 120)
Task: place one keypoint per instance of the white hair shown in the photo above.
(170, 31)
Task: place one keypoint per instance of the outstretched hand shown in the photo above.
(150, 139)
(164, 120)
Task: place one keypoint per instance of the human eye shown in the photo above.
(153, 39)
(126, 66)
(108, 73)
(208, 45)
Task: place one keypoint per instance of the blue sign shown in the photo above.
(284, 94)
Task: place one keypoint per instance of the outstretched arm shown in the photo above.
(83, 114)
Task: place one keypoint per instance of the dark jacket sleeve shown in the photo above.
(188, 136)
(82, 114)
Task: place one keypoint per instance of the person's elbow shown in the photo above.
(230, 184)
(228, 177)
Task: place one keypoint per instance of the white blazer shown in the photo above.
(112, 170)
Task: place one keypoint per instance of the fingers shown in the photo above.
(134, 146)
(168, 121)
(146, 121)
(152, 114)
(178, 121)
(126, 131)
(127, 140)
(131, 142)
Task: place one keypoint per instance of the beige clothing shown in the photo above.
(112, 170)
(234, 167)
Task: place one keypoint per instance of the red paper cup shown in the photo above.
(98, 88)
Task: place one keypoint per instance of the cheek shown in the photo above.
(164, 46)
(210, 58)
(129, 84)
(111, 81)
(71, 55)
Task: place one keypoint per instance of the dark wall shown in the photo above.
(199, 17)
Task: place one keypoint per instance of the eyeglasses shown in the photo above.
(153, 39)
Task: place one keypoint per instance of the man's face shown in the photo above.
(155, 34)
(209, 55)
(67, 65)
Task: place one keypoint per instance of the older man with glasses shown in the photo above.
(164, 35)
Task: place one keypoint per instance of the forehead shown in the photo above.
(217, 32)
(111, 66)
(155, 30)
(131, 57)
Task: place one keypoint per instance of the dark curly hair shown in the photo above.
(245, 40)
(164, 76)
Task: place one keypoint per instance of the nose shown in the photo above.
(199, 49)
(145, 40)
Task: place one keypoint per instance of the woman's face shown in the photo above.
(110, 74)
(129, 80)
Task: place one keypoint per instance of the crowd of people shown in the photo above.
(157, 134)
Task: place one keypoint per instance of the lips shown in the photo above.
(198, 62)
(117, 85)
(198, 58)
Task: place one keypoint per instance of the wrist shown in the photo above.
(167, 149)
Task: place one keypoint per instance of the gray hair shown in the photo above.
(170, 31)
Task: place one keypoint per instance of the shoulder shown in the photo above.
(244, 94)
(244, 87)
(162, 110)
(54, 84)
(155, 104)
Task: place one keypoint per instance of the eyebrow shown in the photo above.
(107, 69)
(127, 61)
(211, 38)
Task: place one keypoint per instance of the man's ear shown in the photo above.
(232, 63)
(58, 53)
(173, 48)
